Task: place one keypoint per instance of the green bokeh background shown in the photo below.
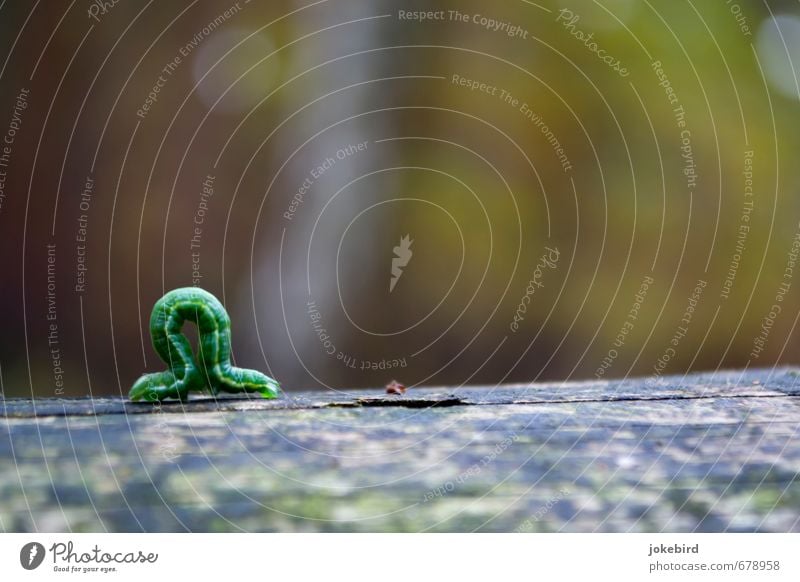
(622, 213)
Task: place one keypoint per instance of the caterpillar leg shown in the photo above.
(157, 387)
(239, 380)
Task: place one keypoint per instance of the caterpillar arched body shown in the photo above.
(211, 371)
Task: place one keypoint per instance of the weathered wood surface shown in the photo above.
(708, 452)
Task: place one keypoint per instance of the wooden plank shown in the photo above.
(774, 382)
(711, 452)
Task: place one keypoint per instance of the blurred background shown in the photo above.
(440, 193)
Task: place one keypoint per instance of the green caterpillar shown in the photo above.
(214, 372)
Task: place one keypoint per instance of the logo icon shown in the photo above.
(31, 555)
(402, 256)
